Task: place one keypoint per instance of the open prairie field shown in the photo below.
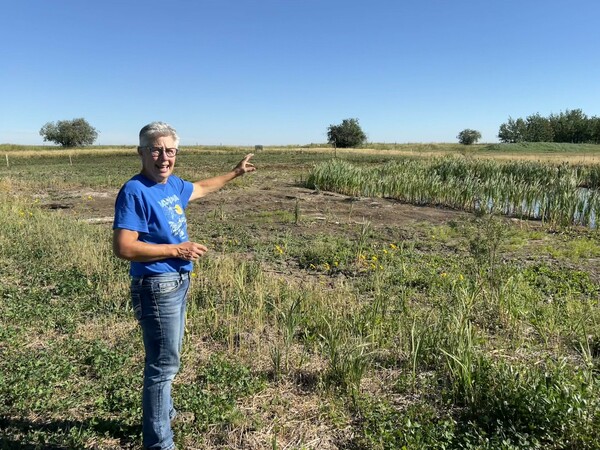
(404, 296)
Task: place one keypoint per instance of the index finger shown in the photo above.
(201, 247)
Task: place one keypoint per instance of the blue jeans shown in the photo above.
(159, 303)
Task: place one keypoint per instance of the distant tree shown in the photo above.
(346, 134)
(538, 129)
(595, 130)
(571, 126)
(468, 136)
(513, 131)
(69, 133)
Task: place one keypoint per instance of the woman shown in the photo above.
(150, 230)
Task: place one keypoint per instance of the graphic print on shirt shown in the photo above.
(174, 214)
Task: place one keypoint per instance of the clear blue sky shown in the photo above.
(276, 72)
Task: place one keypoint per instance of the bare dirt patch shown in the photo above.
(265, 196)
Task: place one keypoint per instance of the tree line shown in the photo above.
(572, 126)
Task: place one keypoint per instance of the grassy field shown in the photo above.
(318, 320)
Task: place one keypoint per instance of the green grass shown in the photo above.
(541, 147)
(479, 332)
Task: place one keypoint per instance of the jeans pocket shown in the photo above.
(166, 287)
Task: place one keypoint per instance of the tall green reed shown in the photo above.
(560, 195)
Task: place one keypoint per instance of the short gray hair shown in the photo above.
(154, 130)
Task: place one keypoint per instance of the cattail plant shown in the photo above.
(559, 195)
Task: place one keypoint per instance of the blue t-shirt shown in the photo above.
(156, 212)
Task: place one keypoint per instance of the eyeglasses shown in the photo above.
(157, 151)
